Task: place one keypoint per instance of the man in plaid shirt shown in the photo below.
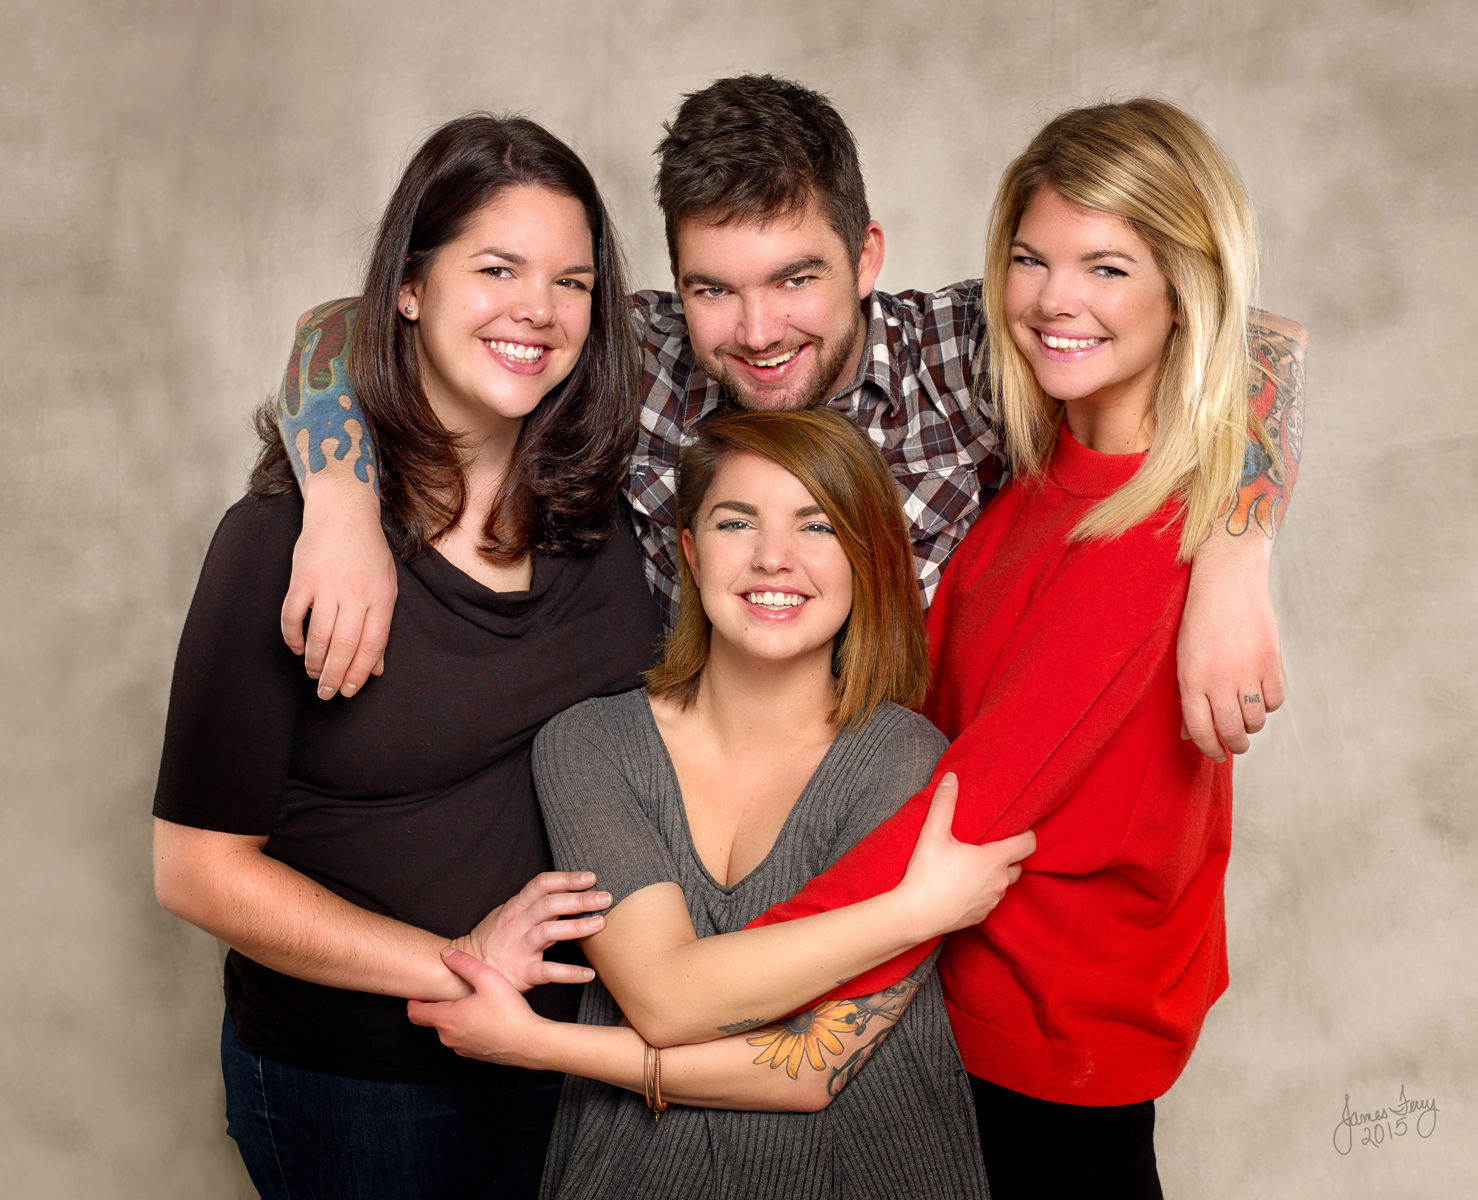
(775, 256)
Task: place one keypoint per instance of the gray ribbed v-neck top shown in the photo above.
(904, 1127)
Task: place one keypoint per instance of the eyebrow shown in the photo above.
(518, 260)
(749, 510)
(739, 506)
(799, 267)
(1091, 256)
(789, 270)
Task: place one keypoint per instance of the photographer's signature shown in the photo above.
(1383, 1124)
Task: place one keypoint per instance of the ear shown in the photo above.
(870, 261)
(690, 552)
(409, 301)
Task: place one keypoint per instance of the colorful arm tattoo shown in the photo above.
(1278, 398)
(807, 1038)
(317, 411)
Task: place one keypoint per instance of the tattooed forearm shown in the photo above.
(1277, 396)
(850, 1030)
(317, 410)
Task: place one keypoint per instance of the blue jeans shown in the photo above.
(305, 1135)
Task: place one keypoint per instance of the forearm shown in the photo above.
(677, 989)
(282, 919)
(1277, 396)
(797, 1065)
(318, 414)
(718, 1074)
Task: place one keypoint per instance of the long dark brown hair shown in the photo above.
(881, 652)
(572, 450)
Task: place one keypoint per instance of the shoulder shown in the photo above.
(266, 527)
(659, 316)
(959, 303)
(894, 736)
(602, 721)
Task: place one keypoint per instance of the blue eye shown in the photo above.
(818, 527)
(1026, 260)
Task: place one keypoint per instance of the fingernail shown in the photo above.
(349, 689)
(603, 899)
(589, 974)
(325, 692)
(448, 951)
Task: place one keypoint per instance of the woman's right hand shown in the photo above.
(514, 936)
(953, 884)
(494, 1024)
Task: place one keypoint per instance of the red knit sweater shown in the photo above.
(1054, 676)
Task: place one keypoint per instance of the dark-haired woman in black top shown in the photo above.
(339, 847)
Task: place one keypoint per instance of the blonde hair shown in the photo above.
(881, 652)
(1154, 167)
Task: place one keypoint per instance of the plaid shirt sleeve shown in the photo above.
(917, 399)
(651, 480)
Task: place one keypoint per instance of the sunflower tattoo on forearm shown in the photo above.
(808, 1037)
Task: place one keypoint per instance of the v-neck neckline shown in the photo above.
(801, 802)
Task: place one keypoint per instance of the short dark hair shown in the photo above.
(881, 653)
(572, 450)
(758, 147)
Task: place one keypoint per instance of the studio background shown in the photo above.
(179, 181)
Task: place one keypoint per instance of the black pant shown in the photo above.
(1042, 1150)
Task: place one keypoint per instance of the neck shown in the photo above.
(1112, 424)
(745, 699)
(485, 444)
(848, 370)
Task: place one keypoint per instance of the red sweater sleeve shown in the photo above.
(1066, 669)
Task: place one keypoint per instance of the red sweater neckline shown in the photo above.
(1091, 474)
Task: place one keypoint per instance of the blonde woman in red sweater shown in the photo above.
(1121, 260)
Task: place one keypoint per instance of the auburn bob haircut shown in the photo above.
(880, 653)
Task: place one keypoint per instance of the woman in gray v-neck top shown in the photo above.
(904, 1126)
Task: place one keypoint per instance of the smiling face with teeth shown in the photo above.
(773, 307)
(1089, 307)
(773, 578)
(502, 313)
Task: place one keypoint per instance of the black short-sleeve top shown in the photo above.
(414, 799)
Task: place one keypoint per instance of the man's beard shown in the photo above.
(823, 386)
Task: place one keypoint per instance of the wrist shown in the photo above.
(907, 917)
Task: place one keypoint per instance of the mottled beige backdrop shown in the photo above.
(179, 180)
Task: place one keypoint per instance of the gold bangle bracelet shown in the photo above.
(659, 1106)
(652, 1080)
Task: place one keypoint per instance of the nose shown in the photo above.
(1060, 295)
(761, 322)
(773, 552)
(533, 302)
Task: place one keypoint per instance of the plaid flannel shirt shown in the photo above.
(911, 396)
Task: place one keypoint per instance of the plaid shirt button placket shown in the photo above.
(911, 396)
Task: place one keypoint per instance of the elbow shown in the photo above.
(812, 1098)
(174, 893)
(667, 1029)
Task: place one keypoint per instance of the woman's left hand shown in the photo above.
(494, 1024)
